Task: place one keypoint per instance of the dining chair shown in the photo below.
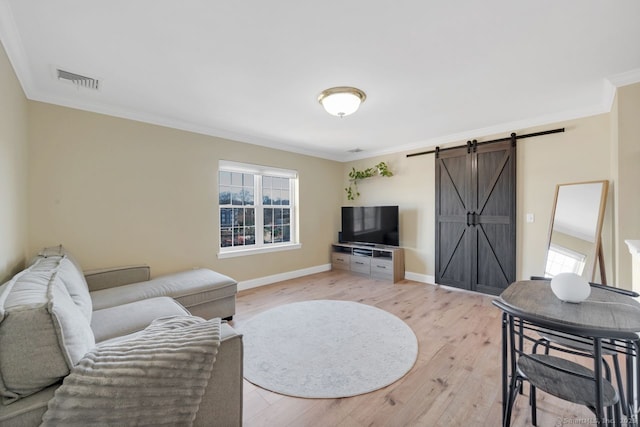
(584, 347)
(552, 374)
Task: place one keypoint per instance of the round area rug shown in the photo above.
(326, 349)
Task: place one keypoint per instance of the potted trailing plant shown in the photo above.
(355, 175)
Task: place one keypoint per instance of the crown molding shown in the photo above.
(172, 123)
(10, 39)
(612, 83)
(507, 127)
(256, 140)
(624, 79)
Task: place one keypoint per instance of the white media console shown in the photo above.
(377, 261)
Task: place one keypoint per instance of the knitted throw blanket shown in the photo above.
(157, 378)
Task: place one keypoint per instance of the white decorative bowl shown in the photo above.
(570, 287)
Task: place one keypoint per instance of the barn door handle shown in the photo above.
(472, 218)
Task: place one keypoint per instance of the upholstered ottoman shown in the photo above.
(203, 292)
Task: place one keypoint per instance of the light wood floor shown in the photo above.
(456, 378)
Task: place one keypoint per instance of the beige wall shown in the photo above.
(627, 173)
(412, 188)
(13, 171)
(118, 192)
(581, 153)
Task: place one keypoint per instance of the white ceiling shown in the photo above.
(433, 71)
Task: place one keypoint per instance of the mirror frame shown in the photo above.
(596, 255)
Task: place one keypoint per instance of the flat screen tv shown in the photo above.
(375, 225)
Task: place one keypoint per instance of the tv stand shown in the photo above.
(369, 245)
(376, 261)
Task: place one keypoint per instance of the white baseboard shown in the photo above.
(267, 280)
(431, 280)
(424, 278)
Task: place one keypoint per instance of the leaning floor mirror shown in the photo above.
(574, 243)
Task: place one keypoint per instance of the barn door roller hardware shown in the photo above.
(473, 145)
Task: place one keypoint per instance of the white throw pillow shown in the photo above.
(72, 276)
(43, 332)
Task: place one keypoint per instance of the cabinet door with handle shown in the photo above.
(382, 269)
(361, 264)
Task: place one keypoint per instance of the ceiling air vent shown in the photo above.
(78, 80)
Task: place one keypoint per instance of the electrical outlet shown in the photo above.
(530, 217)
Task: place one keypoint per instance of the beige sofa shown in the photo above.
(51, 315)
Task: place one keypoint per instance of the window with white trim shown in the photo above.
(561, 260)
(257, 207)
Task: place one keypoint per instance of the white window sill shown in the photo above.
(254, 251)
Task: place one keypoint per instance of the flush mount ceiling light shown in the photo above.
(341, 101)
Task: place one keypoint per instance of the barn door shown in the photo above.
(475, 217)
(453, 204)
